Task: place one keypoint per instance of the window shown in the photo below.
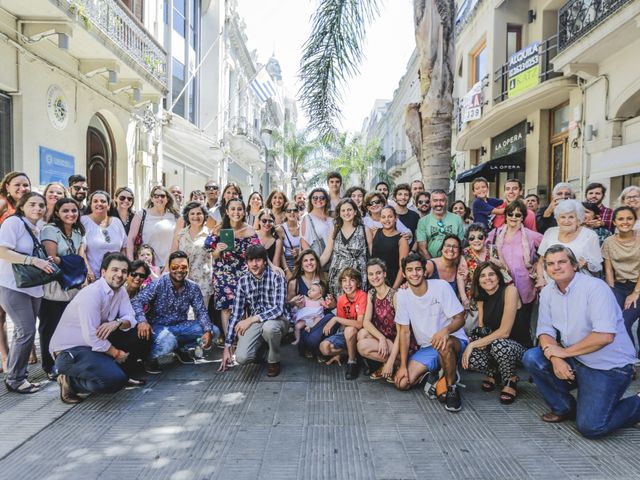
(514, 39)
(479, 62)
(6, 137)
(559, 145)
(179, 15)
(177, 86)
(194, 16)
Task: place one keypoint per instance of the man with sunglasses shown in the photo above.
(512, 192)
(167, 301)
(212, 190)
(433, 227)
(79, 190)
(423, 203)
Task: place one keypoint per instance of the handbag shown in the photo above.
(29, 275)
(138, 240)
(318, 244)
(73, 275)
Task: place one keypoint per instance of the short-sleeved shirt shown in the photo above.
(624, 258)
(14, 236)
(429, 313)
(587, 306)
(433, 231)
(100, 241)
(53, 233)
(410, 219)
(482, 209)
(350, 309)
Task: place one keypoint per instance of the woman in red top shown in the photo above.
(352, 305)
(12, 188)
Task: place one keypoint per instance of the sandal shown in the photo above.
(25, 387)
(377, 375)
(488, 384)
(507, 398)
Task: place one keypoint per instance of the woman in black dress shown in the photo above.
(390, 246)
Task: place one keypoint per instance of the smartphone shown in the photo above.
(227, 236)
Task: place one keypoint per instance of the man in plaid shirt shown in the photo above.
(260, 293)
(594, 193)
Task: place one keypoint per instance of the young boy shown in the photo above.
(350, 310)
(334, 184)
(483, 206)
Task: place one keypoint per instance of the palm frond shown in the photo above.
(331, 55)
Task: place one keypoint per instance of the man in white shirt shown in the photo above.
(87, 362)
(436, 317)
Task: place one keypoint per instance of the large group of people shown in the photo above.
(393, 282)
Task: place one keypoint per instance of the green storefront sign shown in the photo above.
(524, 70)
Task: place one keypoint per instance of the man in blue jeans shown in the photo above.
(83, 344)
(162, 310)
(595, 353)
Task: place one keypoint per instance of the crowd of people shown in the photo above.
(391, 281)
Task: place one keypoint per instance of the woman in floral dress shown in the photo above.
(228, 265)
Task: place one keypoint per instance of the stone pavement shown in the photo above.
(309, 423)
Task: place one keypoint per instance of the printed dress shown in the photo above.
(228, 268)
(200, 259)
(348, 252)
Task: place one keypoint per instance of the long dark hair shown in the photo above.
(477, 292)
(4, 183)
(265, 212)
(269, 202)
(226, 222)
(113, 211)
(338, 222)
(326, 200)
(248, 207)
(297, 266)
(57, 221)
(21, 203)
(88, 210)
(223, 202)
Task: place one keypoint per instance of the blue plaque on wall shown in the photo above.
(55, 166)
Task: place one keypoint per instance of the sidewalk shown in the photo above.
(309, 423)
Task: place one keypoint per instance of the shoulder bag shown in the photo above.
(138, 240)
(73, 274)
(29, 275)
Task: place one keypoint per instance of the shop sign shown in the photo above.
(524, 70)
(510, 141)
(472, 104)
(55, 166)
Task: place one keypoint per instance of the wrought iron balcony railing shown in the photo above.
(118, 24)
(465, 14)
(576, 18)
(397, 158)
(240, 126)
(547, 50)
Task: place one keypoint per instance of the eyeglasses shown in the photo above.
(319, 198)
(138, 275)
(514, 215)
(291, 210)
(374, 202)
(450, 247)
(124, 198)
(265, 221)
(212, 187)
(159, 195)
(105, 234)
(631, 197)
(476, 237)
(84, 189)
(179, 268)
(423, 202)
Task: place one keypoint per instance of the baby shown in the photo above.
(312, 312)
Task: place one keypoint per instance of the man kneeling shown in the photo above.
(83, 343)
(436, 317)
(260, 292)
(595, 352)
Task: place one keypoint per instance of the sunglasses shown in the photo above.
(159, 195)
(441, 228)
(123, 198)
(423, 202)
(179, 268)
(84, 189)
(514, 215)
(105, 234)
(374, 202)
(265, 221)
(212, 187)
(138, 275)
(476, 237)
(321, 198)
(291, 210)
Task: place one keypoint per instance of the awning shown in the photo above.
(488, 170)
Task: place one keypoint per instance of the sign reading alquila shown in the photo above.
(524, 70)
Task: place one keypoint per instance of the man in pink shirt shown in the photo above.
(513, 191)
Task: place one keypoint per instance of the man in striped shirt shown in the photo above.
(261, 294)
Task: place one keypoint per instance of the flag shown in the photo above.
(263, 86)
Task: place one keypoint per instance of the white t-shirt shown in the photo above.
(14, 236)
(429, 313)
(100, 241)
(585, 245)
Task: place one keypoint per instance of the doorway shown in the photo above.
(101, 162)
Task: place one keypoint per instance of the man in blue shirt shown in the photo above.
(261, 294)
(595, 352)
(167, 300)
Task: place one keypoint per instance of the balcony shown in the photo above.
(465, 14)
(396, 159)
(245, 141)
(101, 32)
(579, 17)
(547, 50)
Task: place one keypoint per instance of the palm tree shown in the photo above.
(298, 148)
(332, 54)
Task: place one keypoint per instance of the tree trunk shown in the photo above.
(434, 20)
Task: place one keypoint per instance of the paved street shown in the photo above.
(191, 422)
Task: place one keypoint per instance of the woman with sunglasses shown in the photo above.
(254, 205)
(289, 231)
(12, 188)
(316, 224)
(276, 202)
(515, 247)
(53, 192)
(123, 207)
(191, 240)
(269, 237)
(158, 223)
(138, 273)
(375, 202)
(104, 234)
(477, 251)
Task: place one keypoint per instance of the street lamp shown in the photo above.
(266, 135)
